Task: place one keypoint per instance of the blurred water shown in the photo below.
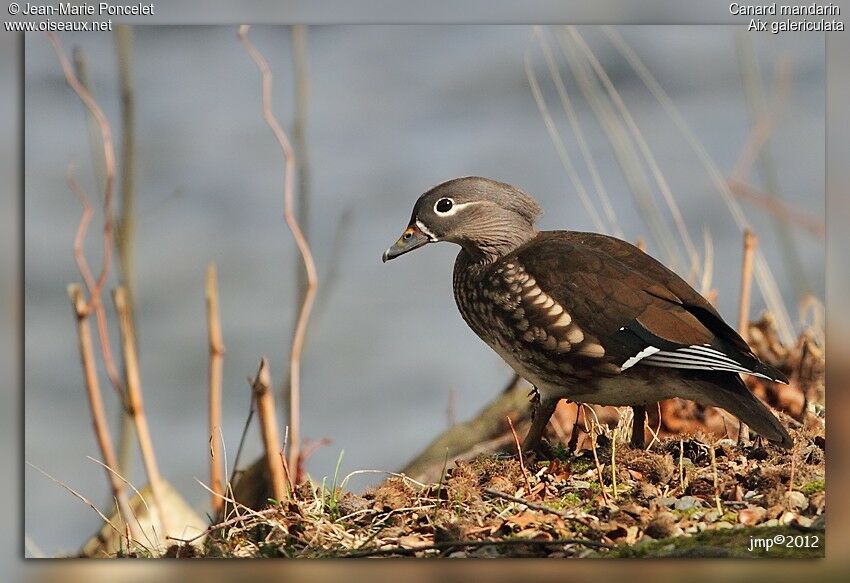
(395, 109)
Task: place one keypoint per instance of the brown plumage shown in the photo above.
(584, 316)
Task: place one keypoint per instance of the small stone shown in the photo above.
(722, 525)
(787, 518)
(772, 522)
(712, 516)
(687, 502)
(804, 521)
(664, 501)
(752, 515)
(796, 501)
(662, 526)
(580, 485)
(459, 555)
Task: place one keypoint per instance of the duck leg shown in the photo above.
(540, 418)
(638, 421)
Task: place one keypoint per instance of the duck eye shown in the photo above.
(444, 205)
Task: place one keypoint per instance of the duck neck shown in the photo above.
(497, 244)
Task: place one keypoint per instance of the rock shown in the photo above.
(687, 502)
(797, 501)
(183, 519)
(787, 518)
(662, 526)
(804, 521)
(751, 515)
(772, 522)
(664, 501)
(712, 516)
(723, 524)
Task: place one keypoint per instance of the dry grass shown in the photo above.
(490, 507)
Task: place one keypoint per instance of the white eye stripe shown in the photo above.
(456, 206)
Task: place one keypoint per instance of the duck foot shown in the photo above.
(638, 440)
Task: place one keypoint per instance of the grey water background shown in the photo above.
(394, 110)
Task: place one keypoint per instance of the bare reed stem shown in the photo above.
(303, 247)
(750, 242)
(216, 362)
(261, 386)
(137, 409)
(98, 413)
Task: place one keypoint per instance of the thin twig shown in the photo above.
(137, 408)
(758, 150)
(251, 410)
(216, 359)
(82, 498)
(144, 502)
(779, 208)
(98, 412)
(521, 457)
(261, 387)
(303, 247)
(561, 149)
(714, 475)
(224, 524)
(708, 265)
(109, 179)
(646, 151)
(624, 148)
(126, 227)
(593, 448)
(533, 505)
(764, 276)
(572, 116)
(614, 460)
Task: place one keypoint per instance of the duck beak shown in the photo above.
(411, 239)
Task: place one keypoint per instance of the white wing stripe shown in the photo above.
(685, 355)
(648, 351)
(694, 361)
(702, 351)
